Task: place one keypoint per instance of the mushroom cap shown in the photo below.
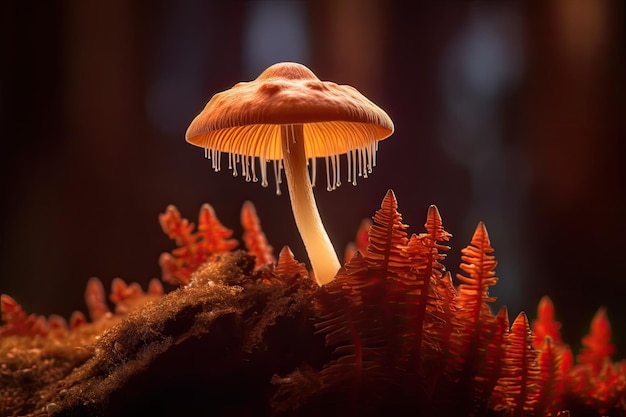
(247, 119)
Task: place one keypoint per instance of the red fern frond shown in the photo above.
(495, 349)
(362, 236)
(364, 312)
(435, 231)
(475, 345)
(344, 321)
(287, 267)
(253, 236)
(360, 242)
(474, 319)
(349, 252)
(57, 324)
(95, 299)
(545, 325)
(597, 348)
(595, 380)
(551, 384)
(121, 292)
(77, 319)
(438, 331)
(155, 288)
(521, 374)
(480, 266)
(444, 307)
(11, 311)
(194, 248)
(387, 237)
(394, 286)
(177, 228)
(212, 237)
(567, 360)
(126, 297)
(17, 322)
(603, 390)
(426, 252)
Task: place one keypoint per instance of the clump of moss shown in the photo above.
(219, 338)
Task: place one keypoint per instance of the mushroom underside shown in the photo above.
(257, 145)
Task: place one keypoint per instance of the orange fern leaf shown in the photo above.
(363, 312)
(426, 253)
(349, 252)
(597, 348)
(57, 324)
(128, 296)
(77, 319)
(551, 385)
(342, 320)
(595, 380)
(444, 307)
(603, 390)
(387, 237)
(545, 325)
(287, 267)
(120, 291)
(253, 236)
(374, 313)
(155, 288)
(475, 351)
(521, 374)
(17, 322)
(95, 299)
(395, 282)
(11, 311)
(361, 241)
(194, 248)
(212, 237)
(474, 318)
(480, 265)
(176, 227)
(438, 332)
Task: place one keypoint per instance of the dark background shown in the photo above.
(505, 112)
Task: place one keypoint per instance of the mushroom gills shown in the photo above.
(360, 162)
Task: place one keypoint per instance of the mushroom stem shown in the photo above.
(321, 253)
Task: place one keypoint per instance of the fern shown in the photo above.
(127, 296)
(95, 299)
(545, 324)
(368, 313)
(254, 238)
(194, 248)
(519, 384)
(17, 322)
(475, 347)
(343, 319)
(595, 379)
(553, 364)
(426, 253)
(287, 267)
(399, 335)
(597, 347)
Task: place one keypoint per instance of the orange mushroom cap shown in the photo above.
(246, 119)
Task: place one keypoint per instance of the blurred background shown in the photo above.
(507, 112)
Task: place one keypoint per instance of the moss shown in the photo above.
(200, 348)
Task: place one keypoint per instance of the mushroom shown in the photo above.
(288, 116)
